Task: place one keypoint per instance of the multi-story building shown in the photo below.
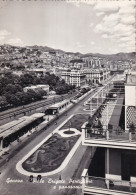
(112, 170)
(92, 62)
(130, 100)
(80, 77)
(96, 75)
(38, 72)
(74, 77)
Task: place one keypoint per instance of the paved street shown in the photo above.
(9, 170)
(19, 183)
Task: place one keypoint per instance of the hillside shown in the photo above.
(110, 57)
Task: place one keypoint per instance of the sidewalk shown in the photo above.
(14, 147)
(47, 120)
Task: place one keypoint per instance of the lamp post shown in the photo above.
(107, 117)
(91, 108)
(62, 97)
(69, 126)
(48, 118)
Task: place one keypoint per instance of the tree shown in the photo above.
(59, 90)
(32, 96)
(3, 101)
(26, 79)
(42, 92)
(13, 100)
(12, 89)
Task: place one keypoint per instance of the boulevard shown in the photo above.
(9, 169)
(12, 181)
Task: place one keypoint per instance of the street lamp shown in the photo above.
(69, 126)
(48, 118)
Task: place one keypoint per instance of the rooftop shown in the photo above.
(57, 105)
(131, 78)
(15, 125)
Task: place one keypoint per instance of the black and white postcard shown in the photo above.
(67, 97)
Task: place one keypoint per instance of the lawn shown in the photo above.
(76, 122)
(50, 155)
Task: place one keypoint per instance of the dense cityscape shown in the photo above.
(36, 66)
(67, 97)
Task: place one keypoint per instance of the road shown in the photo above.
(19, 183)
(9, 170)
(15, 113)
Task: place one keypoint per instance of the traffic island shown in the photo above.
(50, 155)
(76, 121)
(69, 132)
(54, 153)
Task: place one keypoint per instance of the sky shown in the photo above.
(86, 26)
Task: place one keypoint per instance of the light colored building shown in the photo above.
(112, 170)
(37, 87)
(79, 77)
(130, 100)
(74, 77)
(38, 72)
(96, 75)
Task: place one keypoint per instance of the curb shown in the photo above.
(25, 142)
(60, 168)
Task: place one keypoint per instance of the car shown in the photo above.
(114, 95)
(44, 97)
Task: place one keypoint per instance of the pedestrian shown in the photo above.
(60, 177)
(18, 139)
(39, 177)
(31, 178)
(7, 159)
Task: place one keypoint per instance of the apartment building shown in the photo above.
(74, 77)
(96, 75)
(130, 100)
(112, 170)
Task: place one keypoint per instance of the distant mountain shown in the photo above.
(112, 57)
(118, 56)
(41, 48)
(122, 56)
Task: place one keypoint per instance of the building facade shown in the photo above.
(74, 77)
(96, 75)
(130, 100)
(112, 169)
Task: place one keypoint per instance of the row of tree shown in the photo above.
(12, 93)
(20, 98)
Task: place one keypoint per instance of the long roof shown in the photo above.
(15, 125)
(59, 104)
